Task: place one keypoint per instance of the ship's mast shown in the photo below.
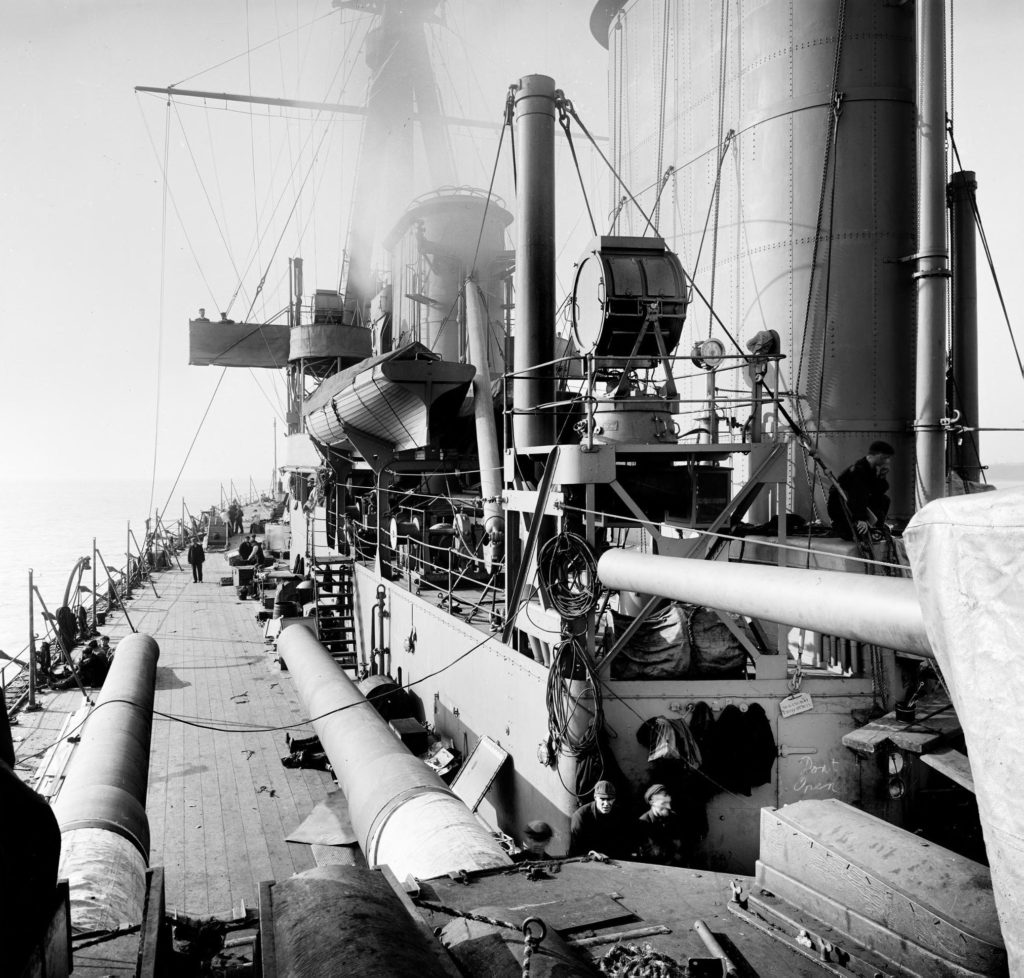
(402, 83)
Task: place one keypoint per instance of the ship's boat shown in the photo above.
(398, 399)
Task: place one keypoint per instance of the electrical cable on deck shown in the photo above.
(568, 571)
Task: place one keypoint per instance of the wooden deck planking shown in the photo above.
(214, 831)
(217, 834)
(291, 793)
(218, 880)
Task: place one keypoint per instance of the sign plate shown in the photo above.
(797, 703)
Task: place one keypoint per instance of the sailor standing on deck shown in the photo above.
(196, 556)
(602, 827)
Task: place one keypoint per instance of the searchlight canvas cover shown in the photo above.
(967, 553)
(222, 344)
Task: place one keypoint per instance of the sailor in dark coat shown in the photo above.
(866, 490)
(196, 556)
(665, 836)
(602, 827)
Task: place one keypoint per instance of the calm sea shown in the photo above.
(48, 525)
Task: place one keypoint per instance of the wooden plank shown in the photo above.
(954, 764)
(879, 883)
(152, 925)
(218, 883)
(575, 913)
(917, 737)
(266, 948)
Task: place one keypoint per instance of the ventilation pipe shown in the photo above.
(534, 382)
(964, 394)
(483, 407)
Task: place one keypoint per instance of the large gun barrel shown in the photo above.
(405, 816)
(101, 808)
(875, 610)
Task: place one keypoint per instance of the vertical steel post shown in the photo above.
(483, 407)
(535, 263)
(31, 643)
(964, 395)
(95, 621)
(932, 256)
(128, 563)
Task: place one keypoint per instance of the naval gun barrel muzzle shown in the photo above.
(404, 815)
(101, 808)
(880, 611)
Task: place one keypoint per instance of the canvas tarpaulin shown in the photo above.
(967, 554)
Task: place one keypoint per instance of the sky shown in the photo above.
(100, 269)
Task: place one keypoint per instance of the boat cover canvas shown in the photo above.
(221, 344)
(967, 554)
(347, 377)
(396, 398)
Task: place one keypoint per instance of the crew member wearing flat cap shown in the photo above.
(536, 837)
(664, 837)
(602, 827)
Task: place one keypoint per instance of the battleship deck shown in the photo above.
(220, 803)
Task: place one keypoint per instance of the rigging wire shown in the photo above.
(252, 146)
(723, 148)
(564, 105)
(252, 50)
(160, 313)
(831, 137)
(662, 100)
(206, 193)
(181, 220)
(192, 444)
(278, 408)
(615, 173)
(716, 192)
